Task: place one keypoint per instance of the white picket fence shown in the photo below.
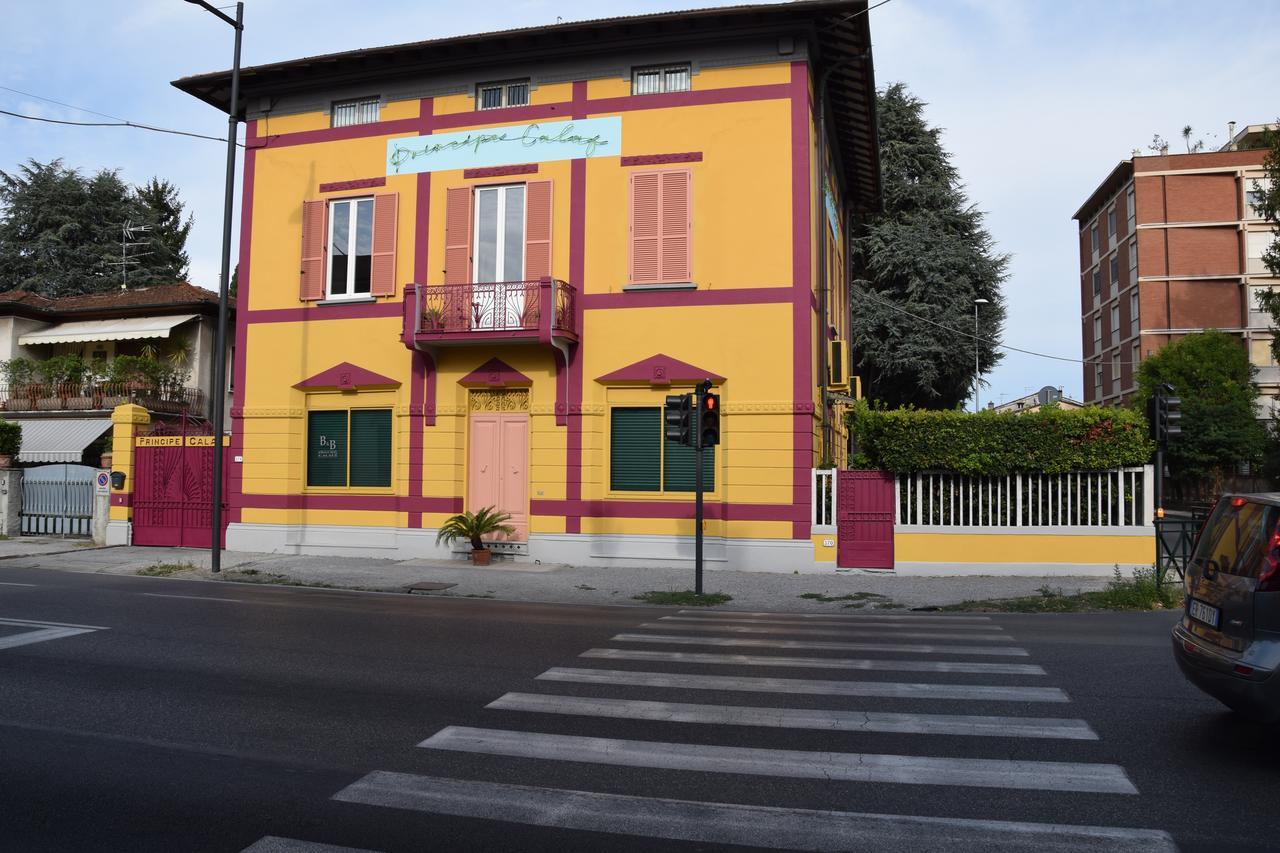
(1120, 497)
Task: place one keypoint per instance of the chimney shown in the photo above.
(1231, 136)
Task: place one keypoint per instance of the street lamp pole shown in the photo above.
(224, 284)
(977, 375)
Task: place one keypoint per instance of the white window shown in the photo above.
(1131, 206)
(1133, 262)
(1097, 334)
(1133, 367)
(1097, 285)
(1257, 243)
(350, 248)
(1111, 222)
(1253, 196)
(662, 78)
(1115, 323)
(1093, 236)
(358, 111)
(1097, 382)
(1115, 372)
(1133, 312)
(512, 93)
(1115, 273)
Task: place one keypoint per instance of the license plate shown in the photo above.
(1205, 613)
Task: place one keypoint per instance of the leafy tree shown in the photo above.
(1212, 376)
(1267, 201)
(60, 230)
(919, 266)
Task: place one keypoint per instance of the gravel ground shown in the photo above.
(568, 584)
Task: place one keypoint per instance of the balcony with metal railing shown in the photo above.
(540, 311)
(99, 397)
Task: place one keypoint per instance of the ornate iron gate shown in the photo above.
(864, 520)
(57, 500)
(173, 491)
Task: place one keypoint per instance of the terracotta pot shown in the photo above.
(481, 557)
(6, 460)
(106, 461)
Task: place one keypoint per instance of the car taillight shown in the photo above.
(1269, 578)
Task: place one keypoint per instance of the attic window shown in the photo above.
(659, 79)
(356, 111)
(493, 96)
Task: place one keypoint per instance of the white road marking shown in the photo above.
(678, 639)
(275, 844)
(892, 689)
(14, 583)
(790, 763)
(852, 617)
(818, 663)
(767, 827)
(40, 636)
(196, 597)
(907, 623)
(45, 623)
(874, 631)
(798, 718)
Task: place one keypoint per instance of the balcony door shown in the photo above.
(498, 258)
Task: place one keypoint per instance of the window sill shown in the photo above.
(673, 285)
(356, 300)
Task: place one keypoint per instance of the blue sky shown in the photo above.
(1039, 100)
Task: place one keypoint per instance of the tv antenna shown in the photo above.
(129, 234)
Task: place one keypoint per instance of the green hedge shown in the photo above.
(1051, 440)
(10, 438)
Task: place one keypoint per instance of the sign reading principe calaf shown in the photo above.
(506, 146)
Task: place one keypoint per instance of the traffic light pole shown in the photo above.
(700, 399)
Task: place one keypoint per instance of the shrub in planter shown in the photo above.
(471, 526)
(10, 442)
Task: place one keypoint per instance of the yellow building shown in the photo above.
(471, 270)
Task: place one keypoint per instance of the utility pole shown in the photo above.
(977, 371)
(220, 346)
(700, 398)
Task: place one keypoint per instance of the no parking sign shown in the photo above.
(103, 483)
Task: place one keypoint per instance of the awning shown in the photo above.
(124, 329)
(59, 439)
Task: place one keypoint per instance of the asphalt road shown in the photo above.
(148, 714)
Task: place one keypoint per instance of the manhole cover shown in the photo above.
(428, 586)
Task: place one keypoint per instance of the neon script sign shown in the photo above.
(506, 146)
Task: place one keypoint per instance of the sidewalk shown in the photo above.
(542, 583)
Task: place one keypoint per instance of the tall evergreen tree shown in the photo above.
(918, 267)
(60, 231)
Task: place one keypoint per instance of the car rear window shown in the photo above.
(1235, 537)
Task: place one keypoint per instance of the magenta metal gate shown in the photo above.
(173, 491)
(864, 520)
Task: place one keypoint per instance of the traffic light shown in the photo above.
(1164, 415)
(709, 420)
(677, 419)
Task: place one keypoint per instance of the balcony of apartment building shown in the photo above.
(540, 312)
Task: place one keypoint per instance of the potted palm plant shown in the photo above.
(471, 526)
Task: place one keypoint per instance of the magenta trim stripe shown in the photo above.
(359, 311)
(361, 183)
(678, 298)
(501, 171)
(662, 159)
(627, 103)
(532, 112)
(577, 267)
(802, 424)
(368, 503)
(235, 470)
(669, 509)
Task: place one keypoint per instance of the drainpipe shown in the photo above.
(820, 179)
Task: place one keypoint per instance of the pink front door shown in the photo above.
(864, 520)
(497, 464)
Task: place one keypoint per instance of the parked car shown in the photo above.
(1228, 642)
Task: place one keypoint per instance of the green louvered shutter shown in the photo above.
(634, 454)
(327, 448)
(371, 447)
(678, 468)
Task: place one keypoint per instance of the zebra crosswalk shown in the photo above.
(927, 703)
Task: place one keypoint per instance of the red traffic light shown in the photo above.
(710, 402)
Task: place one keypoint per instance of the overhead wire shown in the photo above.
(117, 121)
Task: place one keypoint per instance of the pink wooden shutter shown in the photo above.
(314, 236)
(676, 215)
(457, 236)
(382, 278)
(537, 230)
(646, 237)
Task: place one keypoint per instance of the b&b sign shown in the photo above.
(506, 146)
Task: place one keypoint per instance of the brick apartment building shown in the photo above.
(1169, 245)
